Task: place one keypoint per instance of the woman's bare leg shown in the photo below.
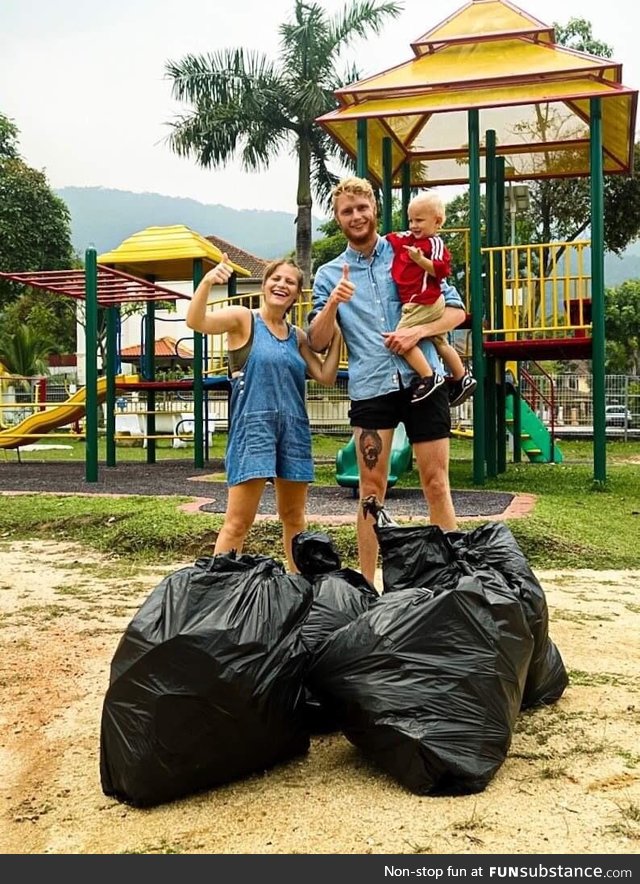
(242, 506)
(291, 503)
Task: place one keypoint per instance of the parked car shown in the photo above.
(617, 416)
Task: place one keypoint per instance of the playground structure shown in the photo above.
(549, 112)
(157, 253)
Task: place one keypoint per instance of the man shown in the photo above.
(357, 291)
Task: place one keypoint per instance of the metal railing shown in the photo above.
(538, 291)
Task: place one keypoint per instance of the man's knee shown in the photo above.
(436, 484)
(373, 485)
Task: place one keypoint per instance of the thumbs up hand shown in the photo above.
(221, 273)
(344, 289)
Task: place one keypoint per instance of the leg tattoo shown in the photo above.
(370, 447)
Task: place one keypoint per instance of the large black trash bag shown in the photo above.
(428, 684)
(339, 596)
(207, 681)
(425, 556)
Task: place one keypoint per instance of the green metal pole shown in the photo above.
(501, 401)
(406, 193)
(477, 309)
(597, 293)
(362, 160)
(91, 364)
(387, 181)
(491, 412)
(150, 375)
(198, 386)
(110, 401)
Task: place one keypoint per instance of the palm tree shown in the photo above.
(24, 354)
(242, 102)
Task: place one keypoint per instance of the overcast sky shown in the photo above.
(84, 82)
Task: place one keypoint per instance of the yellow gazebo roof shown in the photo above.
(492, 56)
(165, 253)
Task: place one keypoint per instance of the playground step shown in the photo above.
(533, 452)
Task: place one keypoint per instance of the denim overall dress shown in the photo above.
(269, 433)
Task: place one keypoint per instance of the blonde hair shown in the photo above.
(271, 268)
(432, 201)
(353, 187)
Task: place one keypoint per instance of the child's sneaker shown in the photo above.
(425, 387)
(459, 391)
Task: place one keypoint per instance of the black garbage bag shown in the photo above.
(425, 556)
(339, 596)
(314, 552)
(428, 683)
(207, 681)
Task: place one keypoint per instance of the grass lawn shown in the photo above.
(574, 523)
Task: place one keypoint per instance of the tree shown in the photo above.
(8, 138)
(24, 353)
(244, 103)
(35, 229)
(330, 246)
(622, 318)
(50, 317)
(577, 34)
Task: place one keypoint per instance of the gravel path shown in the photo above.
(176, 477)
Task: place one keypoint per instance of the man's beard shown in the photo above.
(362, 236)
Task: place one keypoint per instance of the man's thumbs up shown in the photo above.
(345, 288)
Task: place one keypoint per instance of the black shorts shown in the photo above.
(425, 421)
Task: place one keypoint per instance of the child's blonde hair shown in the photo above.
(432, 201)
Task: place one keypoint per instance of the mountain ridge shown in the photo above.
(103, 217)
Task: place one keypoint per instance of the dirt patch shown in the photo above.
(570, 784)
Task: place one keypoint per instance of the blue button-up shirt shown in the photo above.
(374, 308)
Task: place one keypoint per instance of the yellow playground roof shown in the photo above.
(494, 57)
(165, 253)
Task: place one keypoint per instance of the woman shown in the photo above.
(269, 433)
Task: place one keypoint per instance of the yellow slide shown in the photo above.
(39, 424)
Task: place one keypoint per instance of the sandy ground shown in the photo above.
(570, 783)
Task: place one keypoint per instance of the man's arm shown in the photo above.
(322, 327)
(402, 340)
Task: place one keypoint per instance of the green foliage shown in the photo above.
(577, 34)
(327, 249)
(8, 138)
(34, 222)
(24, 352)
(622, 322)
(50, 317)
(244, 104)
(144, 528)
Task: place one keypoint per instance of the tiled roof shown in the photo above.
(238, 256)
(165, 348)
